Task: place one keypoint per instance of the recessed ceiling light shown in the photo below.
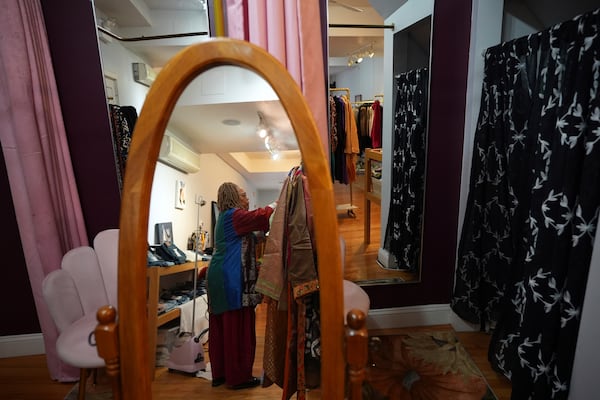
(231, 122)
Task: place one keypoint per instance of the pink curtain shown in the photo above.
(291, 31)
(37, 157)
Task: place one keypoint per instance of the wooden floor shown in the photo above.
(361, 258)
(27, 378)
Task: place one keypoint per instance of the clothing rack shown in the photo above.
(347, 90)
(370, 101)
(348, 207)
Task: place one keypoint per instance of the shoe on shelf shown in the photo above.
(218, 382)
(252, 382)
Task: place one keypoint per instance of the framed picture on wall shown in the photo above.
(163, 232)
(180, 194)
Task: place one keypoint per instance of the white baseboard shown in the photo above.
(385, 318)
(21, 345)
(425, 315)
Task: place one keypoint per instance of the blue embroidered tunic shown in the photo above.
(232, 273)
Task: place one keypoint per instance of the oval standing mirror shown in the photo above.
(154, 120)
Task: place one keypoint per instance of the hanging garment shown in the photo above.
(376, 129)
(292, 335)
(364, 118)
(339, 173)
(352, 148)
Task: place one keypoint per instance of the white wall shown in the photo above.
(204, 183)
(365, 78)
(117, 60)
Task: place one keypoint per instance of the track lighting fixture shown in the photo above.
(357, 56)
(264, 132)
(261, 130)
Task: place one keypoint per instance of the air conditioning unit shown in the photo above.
(176, 154)
(143, 74)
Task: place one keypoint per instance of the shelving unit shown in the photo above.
(154, 275)
(370, 194)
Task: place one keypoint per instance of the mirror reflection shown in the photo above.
(294, 198)
(388, 200)
(404, 231)
(227, 126)
(257, 152)
(359, 202)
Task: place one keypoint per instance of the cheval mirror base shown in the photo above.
(124, 344)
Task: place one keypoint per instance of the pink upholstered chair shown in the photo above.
(86, 281)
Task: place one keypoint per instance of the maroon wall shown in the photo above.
(449, 66)
(18, 313)
(77, 66)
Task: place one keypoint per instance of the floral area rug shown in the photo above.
(100, 389)
(422, 365)
(90, 394)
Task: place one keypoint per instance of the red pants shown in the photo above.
(232, 345)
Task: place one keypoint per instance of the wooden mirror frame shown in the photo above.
(135, 375)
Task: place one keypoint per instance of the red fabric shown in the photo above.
(376, 128)
(232, 345)
(245, 221)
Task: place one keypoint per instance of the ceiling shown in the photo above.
(201, 126)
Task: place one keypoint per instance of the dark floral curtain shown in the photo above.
(533, 204)
(403, 230)
(123, 119)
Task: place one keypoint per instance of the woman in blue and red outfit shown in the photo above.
(231, 280)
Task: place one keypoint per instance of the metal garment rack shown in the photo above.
(349, 208)
(370, 101)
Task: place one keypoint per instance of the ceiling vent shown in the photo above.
(143, 74)
(176, 154)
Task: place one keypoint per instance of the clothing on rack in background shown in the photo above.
(352, 148)
(368, 115)
(364, 118)
(377, 124)
(343, 120)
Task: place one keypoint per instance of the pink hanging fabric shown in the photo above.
(257, 23)
(237, 12)
(37, 158)
(291, 31)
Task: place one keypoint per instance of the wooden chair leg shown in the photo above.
(107, 339)
(83, 374)
(357, 338)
